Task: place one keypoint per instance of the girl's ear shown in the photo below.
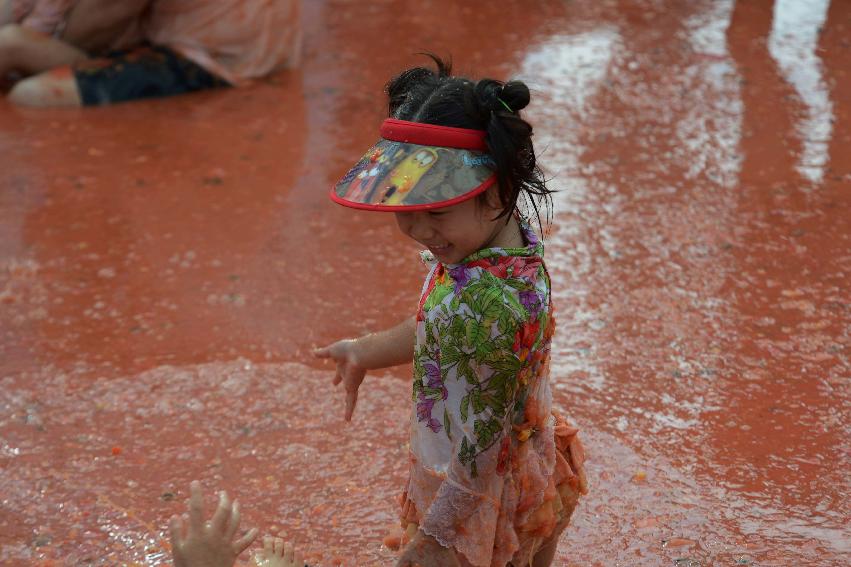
(491, 202)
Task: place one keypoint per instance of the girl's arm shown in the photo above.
(390, 347)
(376, 350)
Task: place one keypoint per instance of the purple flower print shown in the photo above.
(424, 408)
(529, 235)
(433, 375)
(461, 276)
(530, 300)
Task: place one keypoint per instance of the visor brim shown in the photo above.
(402, 176)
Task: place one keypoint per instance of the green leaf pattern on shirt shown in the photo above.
(473, 317)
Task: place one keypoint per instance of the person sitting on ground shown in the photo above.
(37, 36)
(104, 52)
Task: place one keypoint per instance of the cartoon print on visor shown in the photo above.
(403, 176)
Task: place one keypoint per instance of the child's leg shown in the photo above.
(545, 556)
(569, 499)
(31, 52)
(142, 72)
(56, 87)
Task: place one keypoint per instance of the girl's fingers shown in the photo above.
(176, 531)
(196, 507)
(279, 547)
(267, 544)
(245, 541)
(351, 400)
(324, 352)
(299, 559)
(233, 521)
(222, 513)
(289, 553)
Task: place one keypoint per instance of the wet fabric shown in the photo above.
(144, 72)
(237, 40)
(493, 472)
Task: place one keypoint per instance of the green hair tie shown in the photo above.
(508, 108)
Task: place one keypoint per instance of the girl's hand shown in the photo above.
(349, 372)
(196, 543)
(424, 551)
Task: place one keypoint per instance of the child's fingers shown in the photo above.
(175, 529)
(222, 513)
(279, 547)
(299, 559)
(268, 542)
(351, 400)
(245, 541)
(325, 352)
(233, 521)
(196, 507)
(289, 553)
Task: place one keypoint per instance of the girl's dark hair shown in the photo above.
(436, 97)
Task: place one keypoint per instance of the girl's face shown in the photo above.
(455, 232)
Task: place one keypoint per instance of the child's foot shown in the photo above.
(276, 553)
(393, 539)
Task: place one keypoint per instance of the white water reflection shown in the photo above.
(565, 73)
(793, 42)
(710, 132)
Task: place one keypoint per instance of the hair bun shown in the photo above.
(494, 96)
(515, 94)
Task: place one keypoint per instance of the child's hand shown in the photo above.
(348, 370)
(425, 551)
(196, 543)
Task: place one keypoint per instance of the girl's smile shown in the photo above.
(455, 232)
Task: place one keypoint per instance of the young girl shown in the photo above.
(494, 474)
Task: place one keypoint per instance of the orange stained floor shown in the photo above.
(167, 266)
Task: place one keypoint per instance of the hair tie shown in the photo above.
(508, 108)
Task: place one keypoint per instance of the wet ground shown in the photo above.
(166, 267)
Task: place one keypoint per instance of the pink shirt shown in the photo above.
(237, 40)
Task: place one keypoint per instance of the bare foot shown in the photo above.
(276, 553)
